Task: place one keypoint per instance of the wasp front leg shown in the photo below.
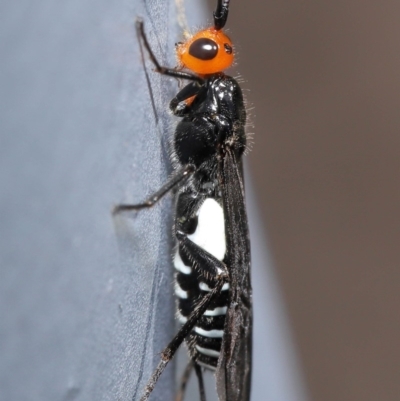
(179, 105)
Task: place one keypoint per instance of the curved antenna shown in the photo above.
(221, 14)
(146, 74)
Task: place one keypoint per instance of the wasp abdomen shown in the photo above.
(191, 285)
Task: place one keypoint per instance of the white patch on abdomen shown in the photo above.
(179, 265)
(210, 230)
(179, 292)
(209, 333)
(182, 319)
(216, 312)
(207, 351)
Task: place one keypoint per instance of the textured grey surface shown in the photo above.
(81, 292)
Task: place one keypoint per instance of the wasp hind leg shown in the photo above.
(199, 374)
(169, 352)
(185, 379)
(208, 266)
(216, 273)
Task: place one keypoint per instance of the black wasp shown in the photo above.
(212, 258)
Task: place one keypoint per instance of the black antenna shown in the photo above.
(221, 14)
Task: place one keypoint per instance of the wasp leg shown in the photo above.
(173, 346)
(159, 68)
(199, 374)
(180, 177)
(177, 106)
(207, 265)
(184, 381)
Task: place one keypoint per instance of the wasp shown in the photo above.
(212, 255)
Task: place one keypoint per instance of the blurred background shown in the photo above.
(324, 79)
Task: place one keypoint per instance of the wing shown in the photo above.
(234, 366)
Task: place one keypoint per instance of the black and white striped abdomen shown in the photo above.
(209, 233)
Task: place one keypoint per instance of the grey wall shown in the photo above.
(78, 315)
(86, 301)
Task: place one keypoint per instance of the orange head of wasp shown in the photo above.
(207, 52)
